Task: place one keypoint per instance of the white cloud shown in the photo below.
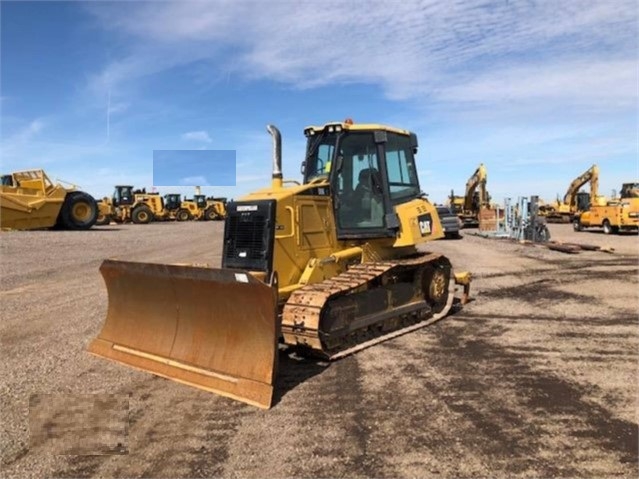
(200, 135)
(20, 138)
(194, 181)
(412, 49)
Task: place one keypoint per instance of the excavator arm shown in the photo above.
(477, 180)
(592, 176)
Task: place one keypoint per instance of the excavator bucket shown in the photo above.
(215, 329)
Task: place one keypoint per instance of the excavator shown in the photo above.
(322, 268)
(467, 207)
(574, 200)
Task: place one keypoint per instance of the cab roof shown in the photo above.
(351, 126)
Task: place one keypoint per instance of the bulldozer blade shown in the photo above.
(215, 329)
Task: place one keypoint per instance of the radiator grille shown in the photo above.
(249, 236)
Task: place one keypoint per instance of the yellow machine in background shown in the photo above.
(129, 205)
(137, 206)
(215, 208)
(208, 208)
(30, 200)
(574, 201)
(476, 197)
(328, 266)
(615, 216)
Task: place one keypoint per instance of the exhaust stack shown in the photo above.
(277, 156)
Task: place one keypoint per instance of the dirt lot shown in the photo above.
(536, 377)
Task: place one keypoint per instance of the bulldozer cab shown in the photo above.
(370, 170)
(123, 196)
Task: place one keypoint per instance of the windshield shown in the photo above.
(630, 190)
(319, 153)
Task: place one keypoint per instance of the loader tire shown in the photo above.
(210, 214)
(142, 215)
(183, 215)
(79, 211)
(607, 229)
(103, 220)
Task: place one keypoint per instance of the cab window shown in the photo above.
(320, 151)
(358, 184)
(400, 167)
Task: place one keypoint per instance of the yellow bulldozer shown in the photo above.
(30, 200)
(327, 267)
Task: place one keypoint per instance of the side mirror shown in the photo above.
(303, 168)
(339, 162)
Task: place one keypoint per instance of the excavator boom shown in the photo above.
(477, 180)
(591, 175)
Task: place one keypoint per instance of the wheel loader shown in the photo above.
(173, 208)
(203, 208)
(137, 206)
(129, 205)
(30, 200)
(324, 268)
(215, 208)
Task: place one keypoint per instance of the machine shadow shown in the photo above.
(294, 370)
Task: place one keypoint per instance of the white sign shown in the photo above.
(247, 208)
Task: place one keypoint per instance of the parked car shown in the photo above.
(450, 222)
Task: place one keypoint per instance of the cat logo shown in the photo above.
(425, 222)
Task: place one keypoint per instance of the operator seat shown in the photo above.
(368, 198)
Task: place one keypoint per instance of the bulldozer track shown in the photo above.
(308, 310)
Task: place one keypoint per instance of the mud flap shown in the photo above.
(215, 329)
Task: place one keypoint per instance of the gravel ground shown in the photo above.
(535, 377)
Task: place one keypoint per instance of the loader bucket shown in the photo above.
(215, 329)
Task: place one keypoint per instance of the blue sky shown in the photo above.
(537, 91)
(194, 167)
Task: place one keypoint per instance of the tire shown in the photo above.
(607, 229)
(103, 220)
(576, 225)
(183, 215)
(210, 214)
(79, 211)
(142, 215)
(543, 234)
